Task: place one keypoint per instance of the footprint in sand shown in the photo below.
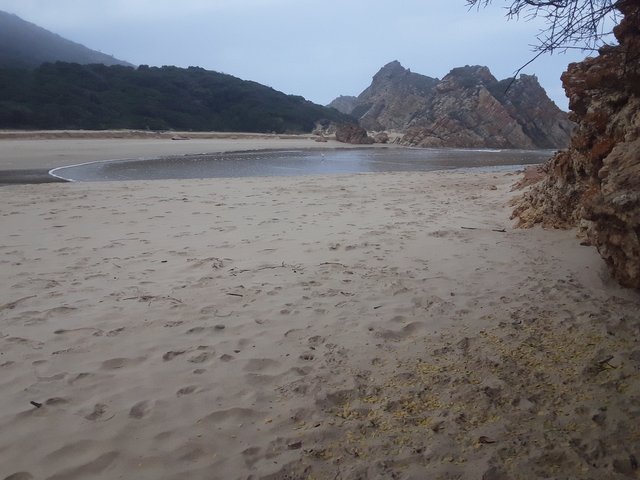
(117, 363)
(98, 413)
(186, 390)
(201, 357)
(316, 340)
(140, 410)
(172, 354)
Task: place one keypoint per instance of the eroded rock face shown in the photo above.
(467, 108)
(595, 184)
(464, 113)
(395, 97)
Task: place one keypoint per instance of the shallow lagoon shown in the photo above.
(301, 162)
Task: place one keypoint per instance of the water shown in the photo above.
(301, 162)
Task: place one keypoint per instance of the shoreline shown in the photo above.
(31, 157)
(363, 325)
(29, 152)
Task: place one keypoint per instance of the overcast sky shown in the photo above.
(315, 49)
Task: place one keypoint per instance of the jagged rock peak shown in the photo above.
(478, 73)
(469, 107)
(390, 70)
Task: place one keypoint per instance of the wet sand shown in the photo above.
(350, 327)
(46, 150)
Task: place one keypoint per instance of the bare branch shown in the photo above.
(569, 23)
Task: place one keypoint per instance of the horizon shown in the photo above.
(278, 43)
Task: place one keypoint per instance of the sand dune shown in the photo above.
(307, 328)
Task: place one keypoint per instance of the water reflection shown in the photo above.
(300, 162)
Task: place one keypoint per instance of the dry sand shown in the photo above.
(342, 327)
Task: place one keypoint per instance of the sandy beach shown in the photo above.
(366, 326)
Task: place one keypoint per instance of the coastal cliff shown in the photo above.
(595, 184)
(469, 108)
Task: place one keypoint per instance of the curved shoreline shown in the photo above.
(50, 153)
(28, 157)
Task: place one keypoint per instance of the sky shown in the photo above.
(318, 50)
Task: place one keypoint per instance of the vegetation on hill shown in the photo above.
(65, 95)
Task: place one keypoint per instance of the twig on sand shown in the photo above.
(149, 298)
(500, 230)
(233, 271)
(235, 294)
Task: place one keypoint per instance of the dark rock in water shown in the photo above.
(595, 184)
(352, 133)
(467, 108)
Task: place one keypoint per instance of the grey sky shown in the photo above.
(315, 49)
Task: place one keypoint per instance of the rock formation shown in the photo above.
(352, 133)
(595, 184)
(344, 104)
(467, 108)
(396, 95)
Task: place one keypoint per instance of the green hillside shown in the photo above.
(72, 96)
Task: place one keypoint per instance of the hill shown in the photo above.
(25, 45)
(468, 108)
(96, 97)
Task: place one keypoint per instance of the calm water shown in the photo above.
(301, 162)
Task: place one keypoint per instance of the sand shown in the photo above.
(342, 327)
(40, 150)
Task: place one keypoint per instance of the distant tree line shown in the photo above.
(95, 97)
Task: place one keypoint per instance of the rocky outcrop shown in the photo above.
(467, 108)
(465, 113)
(394, 98)
(541, 120)
(595, 184)
(344, 104)
(352, 133)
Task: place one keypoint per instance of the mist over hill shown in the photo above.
(26, 45)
